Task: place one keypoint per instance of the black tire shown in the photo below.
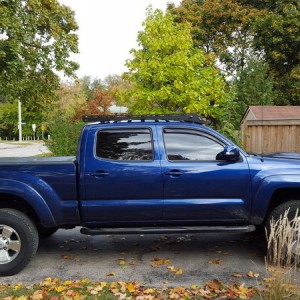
(293, 208)
(18, 241)
(46, 232)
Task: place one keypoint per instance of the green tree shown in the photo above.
(230, 30)
(36, 39)
(222, 28)
(277, 35)
(8, 120)
(71, 96)
(254, 85)
(168, 74)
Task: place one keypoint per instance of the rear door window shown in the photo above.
(125, 144)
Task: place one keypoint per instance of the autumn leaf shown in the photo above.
(21, 298)
(252, 275)
(173, 270)
(130, 287)
(216, 262)
(213, 285)
(60, 288)
(159, 262)
(39, 295)
(110, 274)
(237, 275)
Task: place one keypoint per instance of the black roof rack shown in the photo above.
(192, 118)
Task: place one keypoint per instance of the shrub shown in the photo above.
(64, 135)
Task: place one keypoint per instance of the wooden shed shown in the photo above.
(268, 129)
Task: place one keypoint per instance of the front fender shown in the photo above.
(266, 189)
(33, 197)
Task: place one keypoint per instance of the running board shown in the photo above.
(166, 230)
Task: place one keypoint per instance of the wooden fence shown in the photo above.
(271, 135)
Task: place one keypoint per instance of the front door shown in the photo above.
(197, 187)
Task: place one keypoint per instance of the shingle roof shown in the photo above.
(275, 112)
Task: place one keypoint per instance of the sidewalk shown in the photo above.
(22, 149)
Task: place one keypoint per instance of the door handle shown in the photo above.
(99, 173)
(174, 173)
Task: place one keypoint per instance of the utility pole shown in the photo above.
(20, 120)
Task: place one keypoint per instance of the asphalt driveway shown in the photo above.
(154, 260)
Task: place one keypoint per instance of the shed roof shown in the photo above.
(272, 112)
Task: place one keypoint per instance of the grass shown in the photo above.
(281, 263)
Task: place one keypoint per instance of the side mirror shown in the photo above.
(230, 153)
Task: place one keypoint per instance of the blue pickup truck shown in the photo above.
(142, 174)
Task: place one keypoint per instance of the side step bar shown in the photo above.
(166, 230)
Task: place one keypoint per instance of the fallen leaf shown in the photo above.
(252, 275)
(159, 262)
(60, 288)
(216, 261)
(237, 275)
(214, 285)
(111, 274)
(67, 257)
(131, 287)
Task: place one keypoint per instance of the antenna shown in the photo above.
(262, 133)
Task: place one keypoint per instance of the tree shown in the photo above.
(36, 39)
(8, 120)
(277, 35)
(230, 30)
(71, 96)
(254, 85)
(222, 28)
(99, 104)
(168, 74)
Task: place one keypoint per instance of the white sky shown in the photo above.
(108, 29)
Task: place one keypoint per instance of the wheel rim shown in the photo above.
(10, 244)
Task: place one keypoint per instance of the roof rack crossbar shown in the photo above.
(192, 118)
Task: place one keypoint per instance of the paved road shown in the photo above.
(68, 255)
(23, 149)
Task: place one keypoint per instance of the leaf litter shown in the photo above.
(56, 289)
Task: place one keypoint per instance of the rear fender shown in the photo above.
(34, 198)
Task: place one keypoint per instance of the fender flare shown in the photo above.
(32, 197)
(265, 191)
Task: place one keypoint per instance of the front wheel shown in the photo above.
(283, 233)
(18, 241)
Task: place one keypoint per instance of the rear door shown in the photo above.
(122, 177)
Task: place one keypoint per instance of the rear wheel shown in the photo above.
(18, 241)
